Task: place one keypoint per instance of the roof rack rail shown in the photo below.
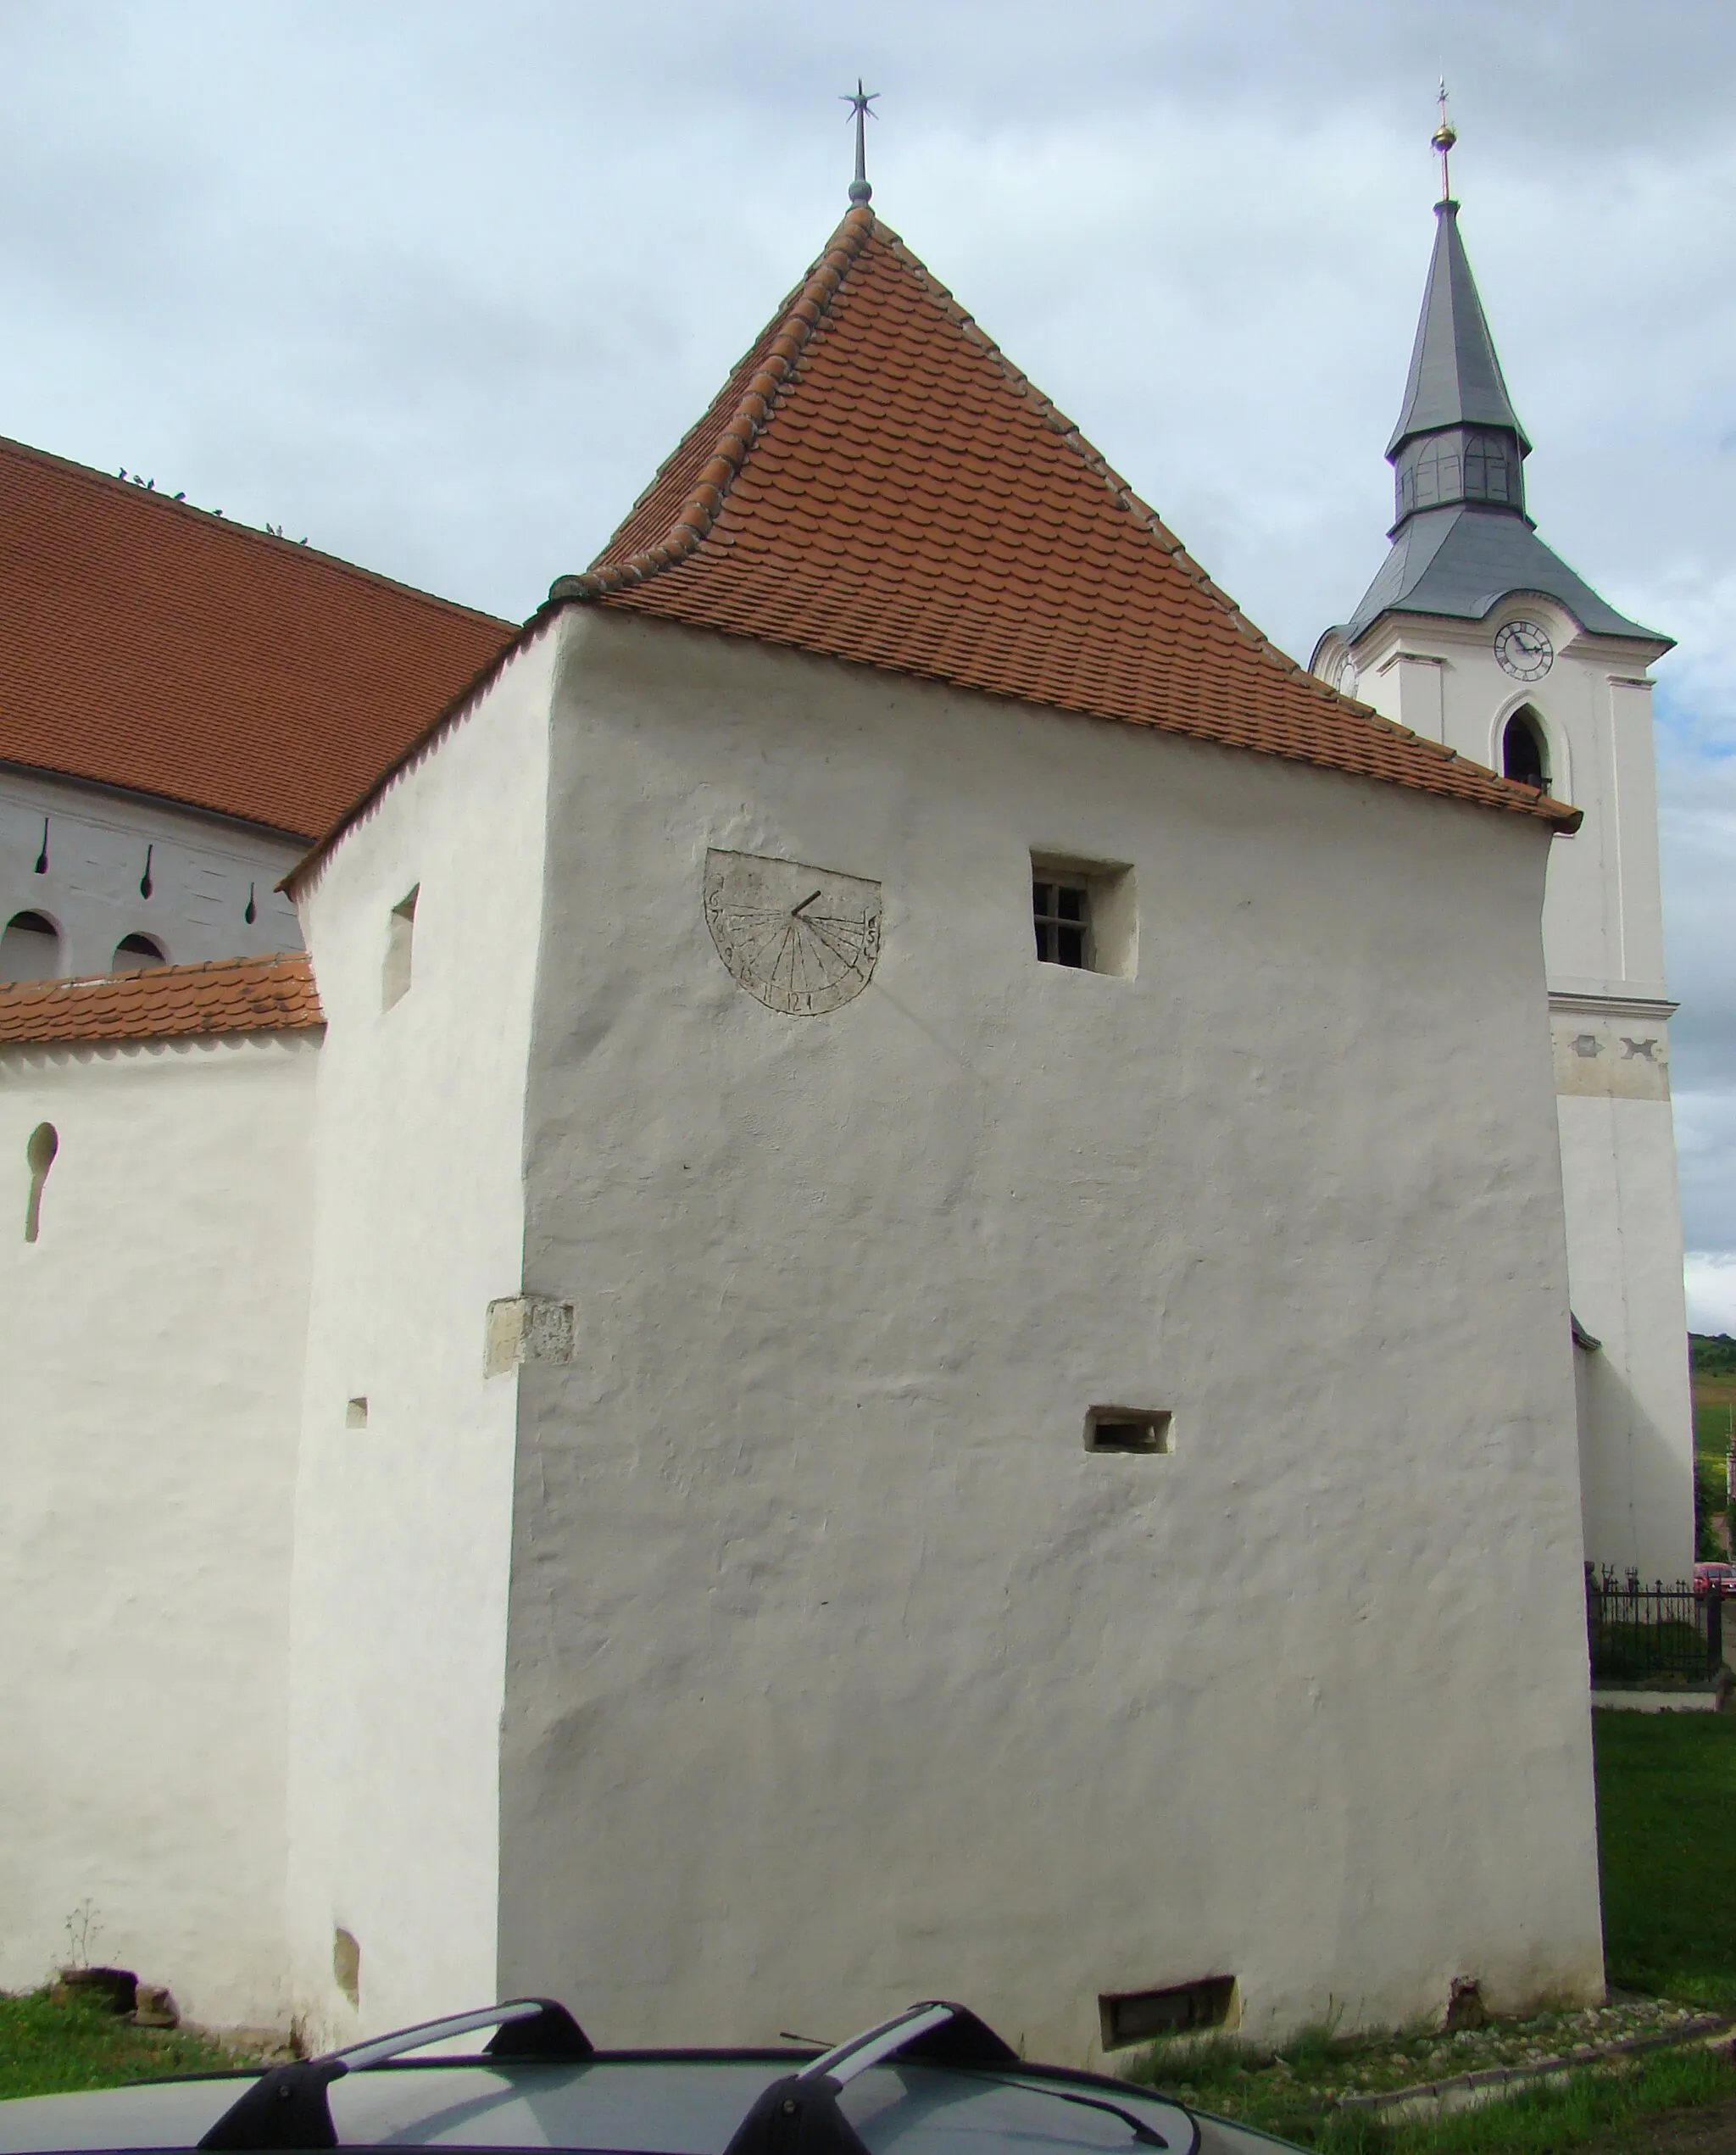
(798, 2114)
(287, 2106)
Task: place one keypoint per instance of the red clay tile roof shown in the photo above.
(151, 645)
(273, 994)
(876, 482)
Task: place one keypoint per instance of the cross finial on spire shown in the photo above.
(858, 102)
(1443, 137)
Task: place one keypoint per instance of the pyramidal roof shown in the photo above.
(876, 482)
(1455, 378)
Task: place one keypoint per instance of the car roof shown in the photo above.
(931, 2081)
(649, 2105)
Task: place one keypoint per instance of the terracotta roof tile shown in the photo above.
(273, 994)
(876, 482)
(147, 644)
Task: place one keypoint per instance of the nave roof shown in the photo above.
(150, 645)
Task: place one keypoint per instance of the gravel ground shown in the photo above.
(1319, 2071)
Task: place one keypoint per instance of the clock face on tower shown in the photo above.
(1525, 650)
(804, 940)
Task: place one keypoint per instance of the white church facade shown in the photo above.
(880, 1315)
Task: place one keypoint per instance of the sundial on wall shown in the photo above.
(802, 939)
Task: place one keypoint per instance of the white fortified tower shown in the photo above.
(1475, 634)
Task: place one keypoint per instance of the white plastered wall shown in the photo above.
(1603, 936)
(150, 1377)
(1624, 1255)
(839, 1674)
(403, 1526)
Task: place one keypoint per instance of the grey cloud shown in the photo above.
(442, 284)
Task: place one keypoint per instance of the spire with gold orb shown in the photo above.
(1443, 139)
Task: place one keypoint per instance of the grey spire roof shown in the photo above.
(1455, 378)
(1462, 542)
(1463, 560)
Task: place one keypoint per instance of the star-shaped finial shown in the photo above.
(859, 102)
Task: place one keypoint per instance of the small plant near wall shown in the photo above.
(114, 1989)
(84, 1926)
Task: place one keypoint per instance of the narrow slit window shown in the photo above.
(347, 1965)
(400, 934)
(1062, 914)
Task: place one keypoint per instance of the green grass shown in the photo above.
(1609, 2111)
(1667, 1831)
(1712, 1375)
(46, 2049)
(1714, 1411)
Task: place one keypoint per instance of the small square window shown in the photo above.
(1062, 913)
(1084, 915)
(1127, 1428)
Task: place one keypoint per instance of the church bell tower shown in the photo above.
(1475, 634)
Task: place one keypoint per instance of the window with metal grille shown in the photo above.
(1062, 914)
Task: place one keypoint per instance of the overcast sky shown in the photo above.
(438, 285)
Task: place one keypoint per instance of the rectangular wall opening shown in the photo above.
(355, 1414)
(1127, 1428)
(1137, 2016)
(400, 932)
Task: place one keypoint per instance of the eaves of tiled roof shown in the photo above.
(876, 482)
(159, 648)
(268, 994)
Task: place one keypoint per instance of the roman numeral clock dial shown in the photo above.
(802, 940)
(1524, 650)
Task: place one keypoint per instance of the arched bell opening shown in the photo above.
(1524, 751)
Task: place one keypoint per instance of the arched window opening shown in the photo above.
(1486, 467)
(1521, 751)
(30, 947)
(134, 953)
(40, 1148)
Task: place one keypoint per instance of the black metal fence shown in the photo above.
(1659, 1634)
